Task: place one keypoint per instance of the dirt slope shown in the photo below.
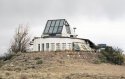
(59, 65)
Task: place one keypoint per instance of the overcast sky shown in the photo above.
(101, 21)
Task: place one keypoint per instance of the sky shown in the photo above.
(101, 21)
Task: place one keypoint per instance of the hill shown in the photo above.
(59, 65)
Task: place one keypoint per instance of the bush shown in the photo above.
(1, 57)
(39, 62)
(112, 55)
(103, 58)
(8, 56)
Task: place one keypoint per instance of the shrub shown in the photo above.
(102, 58)
(39, 62)
(112, 55)
(1, 57)
(8, 56)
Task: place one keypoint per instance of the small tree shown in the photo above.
(21, 40)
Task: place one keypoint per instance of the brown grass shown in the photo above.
(59, 65)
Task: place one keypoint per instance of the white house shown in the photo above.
(58, 36)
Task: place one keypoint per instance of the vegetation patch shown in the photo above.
(7, 56)
(112, 55)
(39, 62)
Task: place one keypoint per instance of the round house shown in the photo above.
(58, 36)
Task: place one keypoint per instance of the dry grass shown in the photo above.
(59, 66)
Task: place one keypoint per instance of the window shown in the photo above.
(57, 46)
(42, 47)
(63, 46)
(69, 46)
(76, 46)
(47, 46)
(52, 47)
(38, 47)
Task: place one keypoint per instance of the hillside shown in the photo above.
(59, 65)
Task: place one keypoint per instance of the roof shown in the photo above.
(56, 26)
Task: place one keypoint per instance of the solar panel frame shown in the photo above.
(56, 26)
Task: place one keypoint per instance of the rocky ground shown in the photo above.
(59, 65)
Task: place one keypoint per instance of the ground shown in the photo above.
(59, 65)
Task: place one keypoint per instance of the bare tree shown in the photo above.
(21, 39)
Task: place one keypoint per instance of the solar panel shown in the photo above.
(56, 26)
(60, 29)
(47, 27)
(51, 26)
(53, 23)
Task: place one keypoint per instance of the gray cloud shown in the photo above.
(28, 8)
(36, 12)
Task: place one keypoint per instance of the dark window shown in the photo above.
(38, 47)
(42, 46)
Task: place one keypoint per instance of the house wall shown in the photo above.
(61, 41)
(64, 32)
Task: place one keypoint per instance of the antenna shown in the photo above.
(74, 29)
